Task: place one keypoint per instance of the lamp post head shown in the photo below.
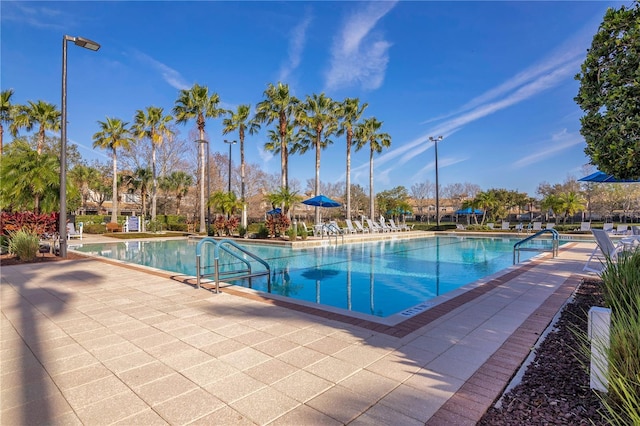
(435, 139)
(83, 42)
(230, 142)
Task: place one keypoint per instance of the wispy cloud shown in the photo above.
(524, 85)
(360, 56)
(296, 47)
(171, 76)
(442, 163)
(35, 15)
(558, 142)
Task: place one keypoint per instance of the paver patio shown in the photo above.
(89, 342)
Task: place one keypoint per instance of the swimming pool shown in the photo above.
(375, 278)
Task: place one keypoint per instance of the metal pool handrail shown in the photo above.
(222, 245)
(554, 244)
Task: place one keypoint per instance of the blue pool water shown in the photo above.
(377, 278)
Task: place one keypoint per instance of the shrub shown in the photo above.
(94, 228)
(621, 281)
(38, 224)
(263, 232)
(24, 244)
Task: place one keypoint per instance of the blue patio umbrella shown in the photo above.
(321, 201)
(469, 210)
(274, 211)
(602, 177)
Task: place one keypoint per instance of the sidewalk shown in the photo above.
(87, 342)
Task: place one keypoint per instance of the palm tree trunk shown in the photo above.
(317, 188)
(348, 174)
(371, 199)
(114, 188)
(243, 220)
(203, 228)
(154, 189)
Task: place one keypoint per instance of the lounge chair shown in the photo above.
(393, 226)
(519, 227)
(360, 228)
(382, 226)
(350, 229)
(550, 226)
(607, 227)
(585, 226)
(490, 225)
(537, 226)
(71, 231)
(622, 230)
(505, 226)
(604, 249)
(374, 227)
(635, 230)
(461, 227)
(306, 230)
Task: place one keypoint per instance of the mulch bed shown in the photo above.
(555, 387)
(9, 259)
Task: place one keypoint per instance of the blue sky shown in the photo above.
(496, 79)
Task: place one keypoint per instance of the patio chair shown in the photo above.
(382, 226)
(604, 249)
(374, 227)
(549, 226)
(393, 226)
(490, 225)
(505, 226)
(519, 227)
(461, 227)
(350, 229)
(360, 228)
(306, 230)
(537, 226)
(622, 230)
(71, 231)
(585, 226)
(607, 227)
(635, 230)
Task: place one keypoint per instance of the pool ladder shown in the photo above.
(225, 245)
(330, 230)
(554, 244)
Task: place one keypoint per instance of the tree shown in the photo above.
(609, 93)
(318, 121)
(152, 125)
(279, 106)
(113, 134)
(283, 197)
(140, 181)
(239, 121)
(393, 201)
(6, 112)
(83, 177)
(196, 103)
(30, 181)
(368, 132)
(43, 114)
(179, 183)
(349, 114)
(570, 204)
(225, 202)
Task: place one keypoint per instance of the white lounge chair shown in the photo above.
(550, 226)
(382, 226)
(622, 230)
(350, 229)
(399, 227)
(607, 227)
(519, 227)
(374, 227)
(604, 249)
(393, 226)
(585, 226)
(71, 231)
(537, 226)
(306, 230)
(505, 226)
(360, 228)
(490, 225)
(461, 227)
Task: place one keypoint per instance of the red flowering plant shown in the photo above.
(277, 224)
(39, 224)
(220, 225)
(232, 224)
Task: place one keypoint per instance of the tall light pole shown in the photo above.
(201, 141)
(435, 141)
(62, 223)
(230, 144)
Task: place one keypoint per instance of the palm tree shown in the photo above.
(551, 202)
(572, 202)
(196, 103)
(29, 180)
(6, 111)
(154, 126)
(239, 121)
(318, 121)
(486, 201)
(83, 177)
(139, 181)
(349, 113)
(279, 105)
(179, 183)
(226, 202)
(285, 198)
(113, 134)
(367, 132)
(44, 114)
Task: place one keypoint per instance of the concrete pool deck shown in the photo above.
(89, 342)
